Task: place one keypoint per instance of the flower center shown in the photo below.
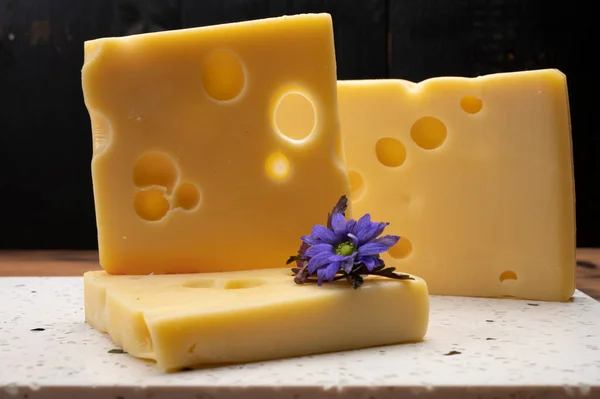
(345, 248)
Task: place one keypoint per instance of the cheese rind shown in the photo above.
(191, 172)
(209, 318)
(475, 174)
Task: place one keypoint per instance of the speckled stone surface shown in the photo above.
(475, 348)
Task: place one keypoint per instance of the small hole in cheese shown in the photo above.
(155, 169)
(151, 204)
(357, 184)
(240, 284)
(277, 166)
(428, 132)
(508, 275)
(471, 105)
(187, 196)
(204, 283)
(402, 249)
(223, 75)
(295, 116)
(390, 152)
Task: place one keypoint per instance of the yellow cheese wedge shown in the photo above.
(193, 168)
(210, 318)
(475, 174)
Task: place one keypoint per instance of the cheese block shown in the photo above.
(231, 317)
(475, 175)
(193, 169)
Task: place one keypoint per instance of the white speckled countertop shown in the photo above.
(475, 348)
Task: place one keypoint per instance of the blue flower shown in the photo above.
(344, 250)
(345, 245)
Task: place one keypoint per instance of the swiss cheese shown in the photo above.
(229, 317)
(475, 174)
(193, 170)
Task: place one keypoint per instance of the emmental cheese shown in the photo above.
(475, 174)
(230, 317)
(193, 170)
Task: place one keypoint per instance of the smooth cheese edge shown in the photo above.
(494, 201)
(185, 181)
(194, 319)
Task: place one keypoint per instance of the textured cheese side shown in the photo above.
(193, 169)
(244, 316)
(475, 174)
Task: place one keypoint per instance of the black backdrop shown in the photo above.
(45, 141)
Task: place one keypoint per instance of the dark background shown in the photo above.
(45, 139)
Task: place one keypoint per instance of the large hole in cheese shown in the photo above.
(204, 283)
(402, 249)
(428, 132)
(508, 275)
(390, 152)
(223, 75)
(295, 116)
(240, 284)
(187, 196)
(471, 105)
(151, 204)
(155, 169)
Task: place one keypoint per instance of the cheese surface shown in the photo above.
(193, 168)
(475, 174)
(230, 317)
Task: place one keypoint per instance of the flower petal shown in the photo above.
(353, 238)
(310, 240)
(318, 261)
(317, 249)
(327, 273)
(347, 265)
(370, 232)
(380, 229)
(342, 258)
(371, 248)
(338, 223)
(331, 270)
(336, 258)
(367, 233)
(363, 223)
(323, 234)
(387, 240)
(351, 225)
(320, 276)
(370, 262)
